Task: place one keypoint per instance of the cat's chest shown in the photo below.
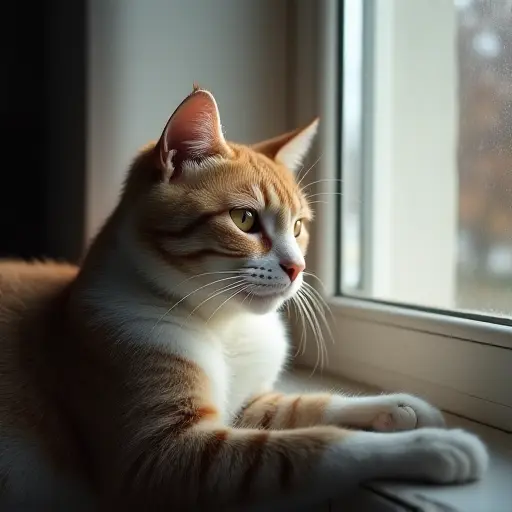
(254, 354)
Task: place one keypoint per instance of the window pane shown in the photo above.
(430, 139)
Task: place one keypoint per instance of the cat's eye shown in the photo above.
(245, 220)
(297, 228)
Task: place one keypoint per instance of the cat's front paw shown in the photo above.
(406, 412)
(446, 456)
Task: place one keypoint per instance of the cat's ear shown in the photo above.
(193, 132)
(290, 148)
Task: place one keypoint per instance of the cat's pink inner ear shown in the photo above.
(193, 132)
(290, 148)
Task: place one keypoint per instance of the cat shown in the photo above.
(144, 380)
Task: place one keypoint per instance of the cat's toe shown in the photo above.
(407, 412)
(451, 456)
(399, 418)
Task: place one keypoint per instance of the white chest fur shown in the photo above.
(255, 351)
(241, 356)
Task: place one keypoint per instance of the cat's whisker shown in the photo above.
(306, 322)
(317, 299)
(330, 180)
(310, 274)
(323, 306)
(313, 325)
(303, 331)
(312, 304)
(330, 193)
(247, 296)
(320, 282)
(326, 323)
(303, 326)
(299, 171)
(188, 295)
(319, 359)
(227, 300)
(308, 171)
(224, 289)
(238, 272)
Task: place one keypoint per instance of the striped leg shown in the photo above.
(173, 452)
(384, 413)
(212, 467)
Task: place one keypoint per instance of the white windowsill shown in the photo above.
(492, 494)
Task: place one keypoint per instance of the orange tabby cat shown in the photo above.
(144, 380)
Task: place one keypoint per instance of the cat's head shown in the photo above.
(216, 220)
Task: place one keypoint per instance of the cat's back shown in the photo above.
(34, 441)
(29, 293)
(24, 284)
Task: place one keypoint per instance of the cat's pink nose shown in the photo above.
(292, 269)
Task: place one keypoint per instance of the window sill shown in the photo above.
(492, 494)
(423, 353)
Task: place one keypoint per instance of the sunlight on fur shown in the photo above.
(144, 380)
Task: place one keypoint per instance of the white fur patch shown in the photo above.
(387, 413)
(273, 198)
(427, 455)
(259, 196)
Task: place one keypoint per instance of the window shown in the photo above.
(415, 247)
(427, 154)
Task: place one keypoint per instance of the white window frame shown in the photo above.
(461, 364)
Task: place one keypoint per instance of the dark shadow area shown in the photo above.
(43, 110)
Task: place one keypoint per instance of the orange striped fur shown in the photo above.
(280, 411)
(143, 380)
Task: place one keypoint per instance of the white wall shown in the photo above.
(144, 57)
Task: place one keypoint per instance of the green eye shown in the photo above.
(297, 228)
(245, 220)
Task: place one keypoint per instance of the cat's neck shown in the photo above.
(121, 298)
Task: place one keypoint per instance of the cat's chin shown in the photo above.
(261, 304)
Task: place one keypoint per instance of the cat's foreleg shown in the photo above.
(216, 467)
(382, 413)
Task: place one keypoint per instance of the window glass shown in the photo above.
(426, 201)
